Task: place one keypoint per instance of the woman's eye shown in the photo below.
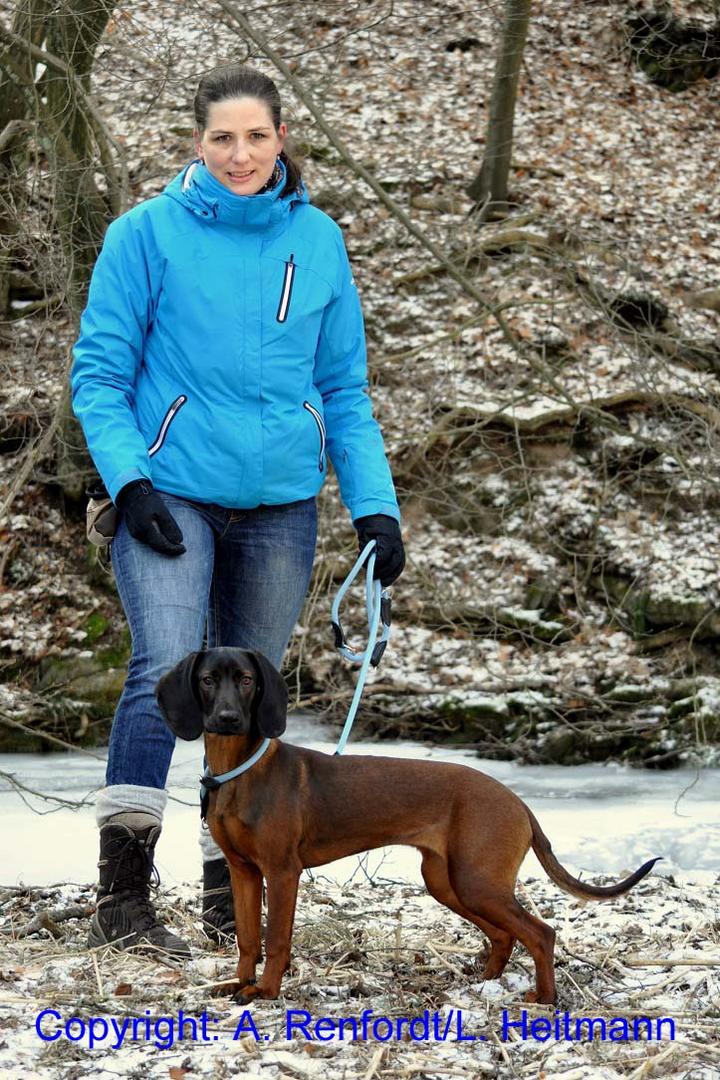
(259, 135)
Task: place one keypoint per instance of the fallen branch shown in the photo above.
(457, 422)
(489, 242)
(707, 299)
(34, 306)
(491, 618)
(670, 961)
(39, 734)
(49, 920)
(482, 415)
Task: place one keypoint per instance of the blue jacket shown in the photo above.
(222, 352)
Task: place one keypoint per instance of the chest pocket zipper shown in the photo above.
(167, 421)
(321, 430)
(284, 305)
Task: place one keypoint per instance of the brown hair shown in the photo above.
(235, 81)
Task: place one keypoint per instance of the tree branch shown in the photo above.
(118, 180)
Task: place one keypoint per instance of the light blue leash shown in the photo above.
(379, 610)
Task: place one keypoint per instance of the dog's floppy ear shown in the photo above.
(177, 697)
(270, 705)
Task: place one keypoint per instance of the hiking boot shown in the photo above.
(125, 918)
(218, 914)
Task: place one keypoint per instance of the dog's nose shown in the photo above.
(228, 716)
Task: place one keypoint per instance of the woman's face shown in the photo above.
(240, 144)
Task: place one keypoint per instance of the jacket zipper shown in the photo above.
(284, 305)
(321, 429)
(167, 421)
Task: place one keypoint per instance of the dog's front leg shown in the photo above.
(282, 887)
(246, 881)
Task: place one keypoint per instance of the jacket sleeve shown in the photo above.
(354, 440)
(109, 352)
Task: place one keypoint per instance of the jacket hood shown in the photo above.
(199, 191)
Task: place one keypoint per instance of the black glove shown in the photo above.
(148, 519)
(389, 550)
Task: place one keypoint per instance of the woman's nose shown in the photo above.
(240, 152)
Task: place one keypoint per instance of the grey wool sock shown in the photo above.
(129, 798)
(209, 849)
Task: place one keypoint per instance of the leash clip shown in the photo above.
(209, 783)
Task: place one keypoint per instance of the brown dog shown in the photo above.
(296, 808)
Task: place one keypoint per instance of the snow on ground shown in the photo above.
(389, 949)
(367, 937)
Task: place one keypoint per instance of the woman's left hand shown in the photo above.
(389, 550)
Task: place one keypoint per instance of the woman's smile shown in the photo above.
(240, 177)
(240, 144)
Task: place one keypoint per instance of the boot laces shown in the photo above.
(136, 900)
(147, 873)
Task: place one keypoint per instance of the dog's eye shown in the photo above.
(207, 680)
(246, 680)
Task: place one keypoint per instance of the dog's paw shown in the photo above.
(253, 992)
(533, 998)
(491, 971)
(246, 993)
(229, 988)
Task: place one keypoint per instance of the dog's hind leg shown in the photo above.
(435, 874)
(499, 906)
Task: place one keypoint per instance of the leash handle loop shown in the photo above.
(379, 609)
(378, 601)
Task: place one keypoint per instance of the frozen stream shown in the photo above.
(599, 818)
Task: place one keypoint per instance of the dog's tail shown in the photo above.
(558, 874)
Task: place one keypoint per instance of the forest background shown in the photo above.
(543, 359)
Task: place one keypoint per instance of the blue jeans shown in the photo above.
(243, 577)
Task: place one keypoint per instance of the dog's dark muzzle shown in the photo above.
(227, 722)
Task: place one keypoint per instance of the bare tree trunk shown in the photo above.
(15, 103)
(55, 110)
(489, 189)
(82, 213)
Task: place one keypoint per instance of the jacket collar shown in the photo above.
(197, 189)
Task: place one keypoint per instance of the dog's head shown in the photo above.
(223, 692)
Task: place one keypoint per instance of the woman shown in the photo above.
(221, 361)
